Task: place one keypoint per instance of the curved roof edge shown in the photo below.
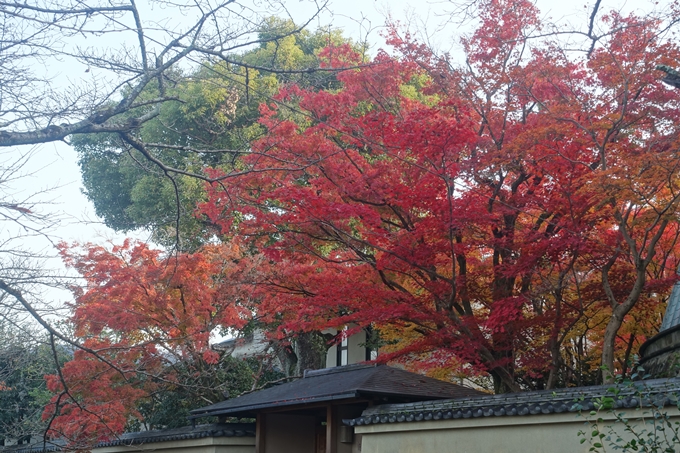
(657, 392)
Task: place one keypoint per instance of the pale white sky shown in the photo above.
(53, 169)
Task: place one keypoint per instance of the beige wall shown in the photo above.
(331, 356)
(357, 353)
(202, 445)
(553, 433)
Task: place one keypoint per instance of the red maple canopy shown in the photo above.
(482, 214)
(499, 217)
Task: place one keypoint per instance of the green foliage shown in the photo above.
(23, 393)
(211, 124)
(200, 384)
(650, 429)
(284, 48)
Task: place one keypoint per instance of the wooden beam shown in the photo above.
(260, 427)
(331, 429)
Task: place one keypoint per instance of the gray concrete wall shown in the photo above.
(552, 433)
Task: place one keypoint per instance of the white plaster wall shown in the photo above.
(553, 433)
(331, 356)
(356, 352)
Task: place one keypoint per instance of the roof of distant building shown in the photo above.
(341, 383)
(657, 392)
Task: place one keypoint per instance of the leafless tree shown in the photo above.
(101, 81)
(71, 67)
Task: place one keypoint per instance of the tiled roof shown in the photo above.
(347, 382)
(42, 447)
(146, 437)
(184, 433)
(657, 392)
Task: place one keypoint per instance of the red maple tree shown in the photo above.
(485, 209)
(489, 217)
(140, 312)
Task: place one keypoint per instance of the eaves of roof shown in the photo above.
(273, 404)
(339, 383)
(658, 392)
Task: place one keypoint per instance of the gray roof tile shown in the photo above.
(657, 392)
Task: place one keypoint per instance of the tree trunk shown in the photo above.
(311, 349)
(619, 312)
(503, 382)
(608, 345)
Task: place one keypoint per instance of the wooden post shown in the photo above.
(259, 433)
(331, 429)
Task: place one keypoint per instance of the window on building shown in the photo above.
(343, 349)
(371, 354)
